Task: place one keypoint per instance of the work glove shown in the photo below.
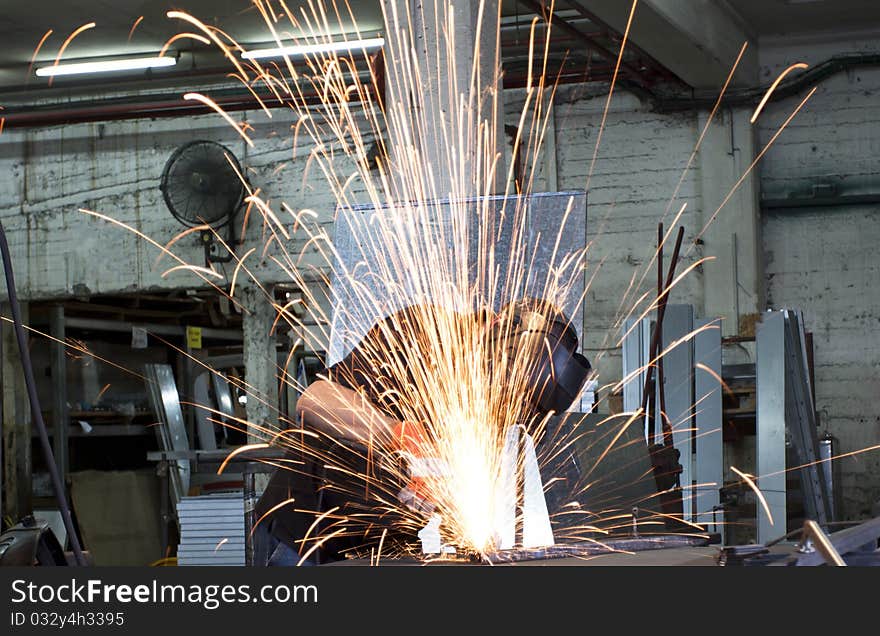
(414, 445)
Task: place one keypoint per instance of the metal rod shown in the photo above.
(655, 338)
(658, 385)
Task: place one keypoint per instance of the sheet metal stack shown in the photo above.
(211, 530)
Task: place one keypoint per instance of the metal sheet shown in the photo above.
(362, 266)
(596, 470)
(636, 353)
(801, 419)
(770, 443)
(678, 375)
(608, 546)
(223, 395)
(212, 530)
(709, 458)
(537, 531)
(204, 425)
(165, 402)
(505, 494)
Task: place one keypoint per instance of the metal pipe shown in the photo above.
(798, 84)
(658, 386)
(841, 200)
(655, 337)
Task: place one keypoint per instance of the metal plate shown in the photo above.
(362, 269)
(165, 402)
(709, 458)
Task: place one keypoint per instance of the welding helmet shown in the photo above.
(557, 373)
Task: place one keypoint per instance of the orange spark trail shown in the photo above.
(270, 511)
(76, 32)
(37, 50)
(751, 484)
(632, 12)
(239, 451)
(773, 88)
(238, 268)
(210, 103)
(751, 167)
(134, 26)
(178, 36)
(706, 127)
(193, 268)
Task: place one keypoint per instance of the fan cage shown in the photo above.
(213, 151)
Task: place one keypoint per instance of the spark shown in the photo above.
(381, 542)
(101, 393)
(752, 165)
(193, 268)
(210, 103)
(177, 36)
(76, 32)
(37, 50)
(751, 484)
(239, 451)
(271, 510)
(445, 378)
(772, 88)
(629, 20)
(134, 26)
(238, 268)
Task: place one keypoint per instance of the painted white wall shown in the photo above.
(825, 260)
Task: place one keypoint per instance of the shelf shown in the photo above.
(83, 415)
(105, 430)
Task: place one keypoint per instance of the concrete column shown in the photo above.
(17, 479)
(260, 364)
(733, 282)
(447, 107)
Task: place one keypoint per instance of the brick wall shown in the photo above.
(825, 260)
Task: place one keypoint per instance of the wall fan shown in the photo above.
(201, 186)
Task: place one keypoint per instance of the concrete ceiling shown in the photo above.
(22, 26)
(797, 17)
(142, 27)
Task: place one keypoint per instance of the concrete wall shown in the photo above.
(114, 168)
(824, 260)
(641, 157)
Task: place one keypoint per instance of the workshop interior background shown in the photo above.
(800, 232)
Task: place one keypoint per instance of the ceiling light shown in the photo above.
(306, 49)
(127, 64)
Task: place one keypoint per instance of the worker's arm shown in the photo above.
(342, 413)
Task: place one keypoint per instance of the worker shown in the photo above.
(357, 402)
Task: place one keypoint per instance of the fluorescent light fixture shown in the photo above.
(306, 49)
(127, 64)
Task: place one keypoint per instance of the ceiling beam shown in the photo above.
(698, 40)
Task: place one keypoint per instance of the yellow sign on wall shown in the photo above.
(194, 337)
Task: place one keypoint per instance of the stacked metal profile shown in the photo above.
(211, 530)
